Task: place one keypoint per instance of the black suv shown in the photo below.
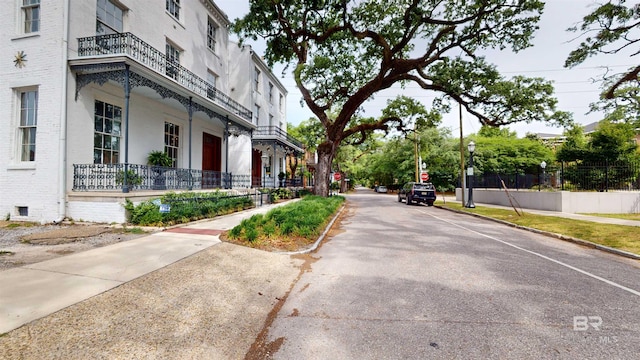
(417, 192)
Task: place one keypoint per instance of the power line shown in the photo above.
(600, 67)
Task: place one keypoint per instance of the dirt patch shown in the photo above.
(291, 243)
(66, 235)
(28, 243)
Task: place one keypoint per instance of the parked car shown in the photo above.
(417, 192)
(382, 189)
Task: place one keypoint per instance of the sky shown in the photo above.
(574, 88)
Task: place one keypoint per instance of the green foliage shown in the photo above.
(146, 214)
(609, 142)
(310, 132)
(396, 160)
(616, 28)
(185, 207)
(305, 218)
(159, 158)
(280, 193)
(343, 53)
(14, 225)
(505, 154)
(132, 178)
(304, 192)
(411, 112)
(497, 132)
(135, 230)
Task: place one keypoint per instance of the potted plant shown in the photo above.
(133, 179)
(281, 176)
(159, 160)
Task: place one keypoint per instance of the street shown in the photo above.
(418, 282)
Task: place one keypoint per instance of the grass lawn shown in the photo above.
(621, 237)
(619, 216)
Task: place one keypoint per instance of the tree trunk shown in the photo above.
(326, 153)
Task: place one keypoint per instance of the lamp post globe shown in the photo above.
(472, 148)
(543, 165)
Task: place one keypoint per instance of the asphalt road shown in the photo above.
(418, 282)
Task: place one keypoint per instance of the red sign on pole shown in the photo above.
(337, 176)
(424, 176)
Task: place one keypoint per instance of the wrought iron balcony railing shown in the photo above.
(132, 46)
(275, 132)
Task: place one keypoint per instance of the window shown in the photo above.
(31, 15)
(107, 121)
(173, 61)
(172, 142)
(256, 113)
(212, 80)
(28, 123)
(212, 30)
(173, 7)
(108, 18)
(271, 93)
(23, 210)
(270, 120)
(281, 102)
(256, 80)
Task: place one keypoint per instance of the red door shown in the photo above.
(256, 170)
(211, 160)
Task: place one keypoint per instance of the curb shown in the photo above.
(319, 240)
(553, 235)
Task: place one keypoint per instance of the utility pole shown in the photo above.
(461, 155)
(415, 152)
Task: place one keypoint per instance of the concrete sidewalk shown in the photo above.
(597, 219)
(37, 290)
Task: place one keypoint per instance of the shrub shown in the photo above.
(304, 218)
(132, 178)
(185, 207)
(251, 234)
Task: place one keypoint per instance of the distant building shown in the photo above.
(555, 140)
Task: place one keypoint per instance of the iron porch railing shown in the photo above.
(132, 46)
(111, 177)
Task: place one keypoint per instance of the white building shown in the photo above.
(95, 85)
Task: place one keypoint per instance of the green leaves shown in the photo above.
(609, 142)
(344, 52)
(495, 100)
(409, 112)
(616, 29)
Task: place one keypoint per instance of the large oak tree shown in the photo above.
(612, 28)
(343, 52)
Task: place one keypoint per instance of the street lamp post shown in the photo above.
(265, 157)
(472, 148)
(543, 165)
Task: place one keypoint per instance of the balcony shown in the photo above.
(275, 133)
(127, 44)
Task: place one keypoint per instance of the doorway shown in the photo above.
(211, 161)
